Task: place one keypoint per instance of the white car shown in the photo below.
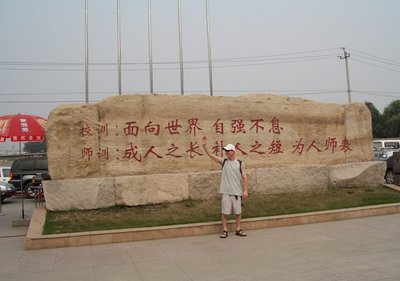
(6, 190)
(5, 174)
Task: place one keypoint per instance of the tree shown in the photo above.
(391, 116)
(377, 121)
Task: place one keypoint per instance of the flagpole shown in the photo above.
(150, 47)
(119, 47)
(180, 46)
(86, 54)
(209, 49)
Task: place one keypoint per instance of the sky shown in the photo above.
(286, 47)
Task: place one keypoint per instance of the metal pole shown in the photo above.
(119, 47)
(86, 54)
(22, 188)
(345, 56)
(1, 209)
(180, 46)
(209, 49)
(150, 47)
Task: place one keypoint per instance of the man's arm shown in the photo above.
(244, 182)
(212, 156)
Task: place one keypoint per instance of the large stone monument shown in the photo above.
(142, 149)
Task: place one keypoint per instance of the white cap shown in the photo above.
(229, 147)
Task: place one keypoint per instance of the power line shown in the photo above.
(239, 64)
(381, 58)
(374, 65)
(287, 92)
(377, 60)
(376, 94)
(53, 93)
(167, 62)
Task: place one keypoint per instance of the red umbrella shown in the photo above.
(21, 127)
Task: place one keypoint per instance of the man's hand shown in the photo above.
(245, 195)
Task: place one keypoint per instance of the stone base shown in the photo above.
(138, 190)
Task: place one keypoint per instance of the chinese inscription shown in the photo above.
(260, 129)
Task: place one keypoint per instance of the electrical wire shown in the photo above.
(232, 64)
(245, 61)
(374, 65)
(380, 58)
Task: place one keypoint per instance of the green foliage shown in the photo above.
(386, 125)
(391, 116)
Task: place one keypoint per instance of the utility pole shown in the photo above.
(345, 56)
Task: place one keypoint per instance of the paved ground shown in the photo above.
(366, 249)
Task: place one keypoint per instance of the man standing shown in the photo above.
(233, 178)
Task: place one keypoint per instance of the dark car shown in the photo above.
(6, 190)
(389, 175)
(24, 169)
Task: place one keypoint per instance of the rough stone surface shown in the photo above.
(118, 136)
(291, 179)
(143, 149)
(151, 189)
(357, 174)
(204, 185)
(79, 194)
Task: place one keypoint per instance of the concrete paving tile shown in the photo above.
(243, 269)
(39, 256)
(165, 275)
(73, 261)
(364, 249)
(7, 265)
(146, 253)
(110, 257)
(12, 247)
(308, 271)
(68, 275)
(117, 276)
(209, 272)
(33, 267)
(194, 260)
(117, 272)
(156, 265)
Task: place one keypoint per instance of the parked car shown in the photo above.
(383, 153)
(389, 175)
(5, 174)
(6, 190)
(24, 169)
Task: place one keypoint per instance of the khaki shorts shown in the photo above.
(231, 202)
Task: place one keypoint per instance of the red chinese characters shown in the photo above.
(260, 145)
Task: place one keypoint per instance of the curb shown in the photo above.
(35, 239)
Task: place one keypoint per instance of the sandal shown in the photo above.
(224, 234)
(241, 233)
